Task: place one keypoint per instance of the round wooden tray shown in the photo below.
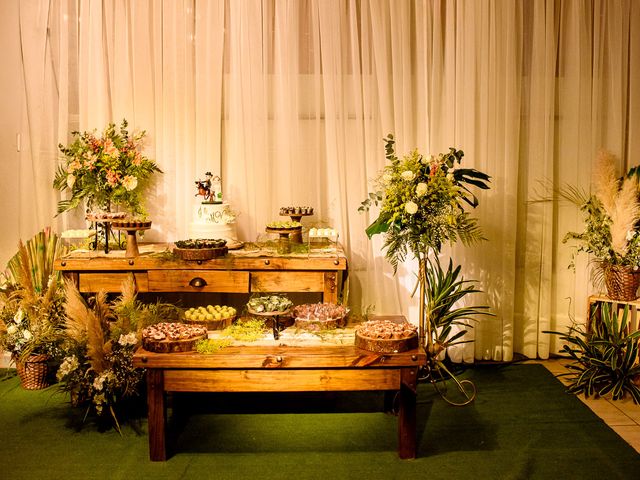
(283, 231)
(171, 346)
(130, 226)
(269, 314)
(212, 324)
(315, 324)
(200, 253)
(383, 345)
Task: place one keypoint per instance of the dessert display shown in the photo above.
(319, 316)
(296, 211)
(213, 317)
(212, 217)
(284, 225)
(322, 232)
(386, 336)
(105, 216)
(130, 224)
(269, 305)
(172, 337)
(200, 249)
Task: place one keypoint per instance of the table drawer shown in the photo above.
(287, 281)
(198, 281)
(111, 282)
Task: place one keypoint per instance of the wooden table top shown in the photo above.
(284, 357)
(158, 257)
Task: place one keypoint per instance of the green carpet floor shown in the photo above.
(522, 425)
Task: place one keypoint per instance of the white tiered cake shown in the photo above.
(213, 220)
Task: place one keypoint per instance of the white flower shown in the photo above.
(450, 176)
(411, 207)
(129, 182)
(128, 339)
(71, 180)
(386, 178)
(68, 365)
(98, 383)
(11, 329)
(408, 175)
(27, 335)
(631, 234)
(421, 189)
(19, 316)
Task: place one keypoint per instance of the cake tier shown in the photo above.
(212, 214)
(226, 231)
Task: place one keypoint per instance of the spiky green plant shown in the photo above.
(447, 319)
(605, 357)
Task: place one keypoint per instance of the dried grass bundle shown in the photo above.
(605, 181)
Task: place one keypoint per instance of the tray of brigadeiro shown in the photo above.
(386, 336)
(319, 316)
(200, 249)
(168, 337)
(213, 317)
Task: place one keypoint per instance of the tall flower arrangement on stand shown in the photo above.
(423, 202)
(105, 171)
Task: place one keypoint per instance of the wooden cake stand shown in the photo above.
(284, 245)
(296, 237)
(275, 319)
(132, 241)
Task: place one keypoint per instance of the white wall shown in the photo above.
(11, 107)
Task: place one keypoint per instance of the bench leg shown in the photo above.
(157, 415)
(407, 413)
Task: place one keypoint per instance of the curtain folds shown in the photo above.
(289, 101)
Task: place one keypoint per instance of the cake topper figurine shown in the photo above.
(210, 189)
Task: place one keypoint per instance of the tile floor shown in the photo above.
(623, 416)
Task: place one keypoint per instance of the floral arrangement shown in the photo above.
(422, 202)
(611, 214)
(106, 171)
(99, 341)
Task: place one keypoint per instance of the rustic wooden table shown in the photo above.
(281, 369)
(240, 271)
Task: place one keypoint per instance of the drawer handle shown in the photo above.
(198, 282)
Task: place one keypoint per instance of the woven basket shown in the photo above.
(33, 372)
(200, 253)
(622, 282)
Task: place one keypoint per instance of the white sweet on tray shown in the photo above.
(322, 232)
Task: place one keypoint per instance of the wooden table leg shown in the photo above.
(157, 415)
(407, 413)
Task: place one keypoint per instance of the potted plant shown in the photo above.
(605, 356)
(31, 309)
(423, 202)
(105, 171)
(611, 214)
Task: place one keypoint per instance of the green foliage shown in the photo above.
(105, 171)
(212, 345)
(246, 331)
(444, 294)
(422, 202)
(605, 359)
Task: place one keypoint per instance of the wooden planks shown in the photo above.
(285, 380)
(110, 282)
(287, 281)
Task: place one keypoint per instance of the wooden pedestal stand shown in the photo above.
(296, 237)
(275, 319)
(132, 241)
(284, 242)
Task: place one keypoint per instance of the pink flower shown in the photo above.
(112, 177)
(110, 149)
(137, 159)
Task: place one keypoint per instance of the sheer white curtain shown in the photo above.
(290, 100)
